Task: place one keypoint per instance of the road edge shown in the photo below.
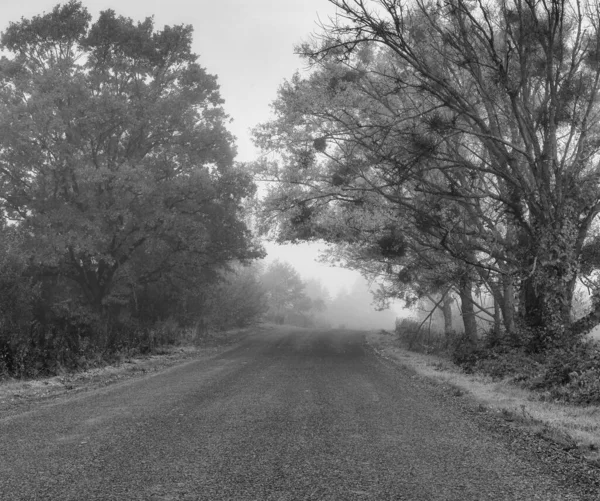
(525, 436)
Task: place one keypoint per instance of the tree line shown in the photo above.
(447, 148)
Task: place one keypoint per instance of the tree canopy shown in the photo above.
(467, 131)
(115, 161)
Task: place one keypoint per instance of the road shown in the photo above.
(284, 415)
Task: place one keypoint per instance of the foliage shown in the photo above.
(285, 293)
(563, 374)
(18, 297)
(573, 375)
(115, 160)
(569, 374)
(120, 203)
(464, 354)
(18, 292)
(319, 314)
(407, 329)
(318, 294)
(513, 363)
(469, 130)
(238, 299)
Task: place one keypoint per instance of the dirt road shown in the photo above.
(285, 415)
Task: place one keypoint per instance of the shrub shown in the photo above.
(582, 388)
(423, 339)
(237, 300)
(73, 338)
(465, 354)
(573, 374)
(501, 363)
(406, 325)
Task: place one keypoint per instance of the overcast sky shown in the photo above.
(249, 45)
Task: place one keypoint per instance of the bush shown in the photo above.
(573, 374)
(237, 300)
(512, 362)
(465, 354)
(569, 374)
(563, 369)
(423, 340)
(18, 296)
(65, 340)
(497, 356)
(72, 338)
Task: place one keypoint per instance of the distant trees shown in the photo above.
(318, 293)
(353, 308)
(118, 191)
(465, 133)
(239, 299)
(308, 303)
(284, 290)
(292, 300)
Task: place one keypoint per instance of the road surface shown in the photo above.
(284, 415)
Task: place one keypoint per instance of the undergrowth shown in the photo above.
(563, 373)
(79, 343)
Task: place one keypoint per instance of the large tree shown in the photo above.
(115, 160)
(484, 114)
(335, 132)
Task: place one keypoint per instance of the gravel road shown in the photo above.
(284, 415)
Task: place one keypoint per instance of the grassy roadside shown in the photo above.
(17, 395)
(573, 427)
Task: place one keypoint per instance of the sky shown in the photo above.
(249, 45)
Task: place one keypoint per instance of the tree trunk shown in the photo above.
(530, 309)
(467, 308)
(447, 311)
(547, 289)
(508, 307)
(497, 320)
(504, 305)
(548, 296)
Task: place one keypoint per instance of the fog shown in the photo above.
(346, 297)
(351, 307)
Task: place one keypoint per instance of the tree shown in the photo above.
(318, 294)
(115, 161)
(285, 291)
(238, 300)
(379, 231)
(475, 123)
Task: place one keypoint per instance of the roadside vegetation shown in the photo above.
(561, 374)
(510, 394)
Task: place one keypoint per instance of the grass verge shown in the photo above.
(575, 428)
(17, 395)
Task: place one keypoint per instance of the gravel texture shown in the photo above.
(283, 415)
